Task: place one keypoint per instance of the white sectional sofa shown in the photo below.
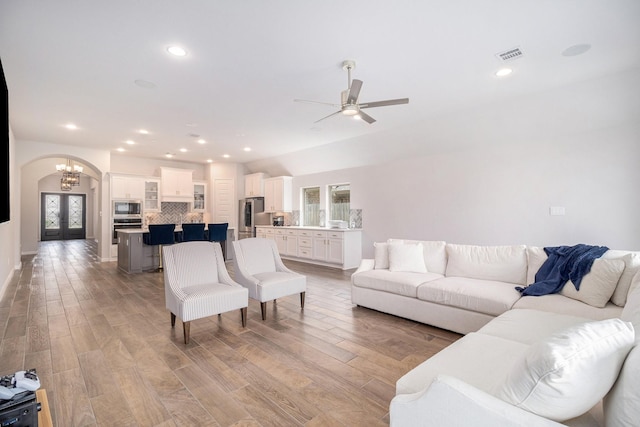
(471, 290)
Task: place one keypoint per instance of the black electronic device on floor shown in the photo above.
(18, 405)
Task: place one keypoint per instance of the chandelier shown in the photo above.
(70, 175)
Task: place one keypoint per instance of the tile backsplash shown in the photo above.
(173, 213)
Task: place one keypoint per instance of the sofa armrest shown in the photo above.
(365, 265)
(449, 401)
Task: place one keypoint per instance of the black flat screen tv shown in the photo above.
(5, 209)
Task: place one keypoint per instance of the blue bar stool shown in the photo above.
(161, 234)
(192, 232)
(218, 233)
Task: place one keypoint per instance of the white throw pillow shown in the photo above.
(381, 255)
(598, 285)
(631, 310)
(566, 374)
(536, 256)
(632, 266)
(408, 258)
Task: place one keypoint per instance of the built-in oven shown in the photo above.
(122, 223)
(125, 208)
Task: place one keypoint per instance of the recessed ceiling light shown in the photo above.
(143, 132)
(209, 161)
(202, 141)
(177, 51)
(71, 126)
(504, 72)
(130, 142)
(576, 49)
(183, 150)
(247, 148)
(168, 155)
(145, 84)
(120, 149)
(226, 156)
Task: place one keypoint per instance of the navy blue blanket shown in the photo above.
(564, 263)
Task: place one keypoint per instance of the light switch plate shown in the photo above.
(556, 210)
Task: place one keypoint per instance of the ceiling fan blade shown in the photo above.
(306, 101)
(354, 91)
(332, 114)
(367, 118)
(384, 103)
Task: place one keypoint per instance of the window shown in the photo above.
(339, 202)
(311, 206)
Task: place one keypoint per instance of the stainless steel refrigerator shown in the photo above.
(251, 214)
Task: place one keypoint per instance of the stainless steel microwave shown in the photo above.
(127, 207)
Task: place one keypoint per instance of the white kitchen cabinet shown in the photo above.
(254, 185)
(177, 185)
(286, 241)
(261, 233)
(199, 196)
(321, 246)
(305, 244)
(129, 187)
(278, 194)
(151, 195)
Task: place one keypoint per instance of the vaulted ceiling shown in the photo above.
(104, 66)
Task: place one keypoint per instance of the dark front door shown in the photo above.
(63, 216)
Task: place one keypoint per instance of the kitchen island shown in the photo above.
(135, 256)
(331, 247)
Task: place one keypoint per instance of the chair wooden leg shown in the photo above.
(173, 320)
(186, 326)
(243, 316)
(263, 308)
(302, 300)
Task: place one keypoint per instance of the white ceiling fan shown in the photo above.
(349, 105)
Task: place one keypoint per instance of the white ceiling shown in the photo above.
(77, 61)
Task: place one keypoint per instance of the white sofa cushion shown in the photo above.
(632, 266)
(631, 310)
(500, 263)
(401, 283)
(381, 255)
(557, 303)
(513, 325)
(598, 285)
(477, 359)
(536, 256)
(435, 255)
(409, 258)
(565, 375)
(622, 403)
(484, 296)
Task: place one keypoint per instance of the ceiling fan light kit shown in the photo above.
(349, 98)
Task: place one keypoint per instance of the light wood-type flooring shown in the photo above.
(104, 349)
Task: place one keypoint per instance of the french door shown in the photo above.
(63, 216)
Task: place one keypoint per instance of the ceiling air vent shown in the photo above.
(510, 55)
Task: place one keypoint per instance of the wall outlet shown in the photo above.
(556, 210)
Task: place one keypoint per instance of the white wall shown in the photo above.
(9, 260)
(502, 195)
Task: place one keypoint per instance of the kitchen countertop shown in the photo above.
(146, 230)
(304, 227)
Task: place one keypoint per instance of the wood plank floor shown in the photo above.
(104, 349)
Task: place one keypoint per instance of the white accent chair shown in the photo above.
(259, 268)
(197, 284)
